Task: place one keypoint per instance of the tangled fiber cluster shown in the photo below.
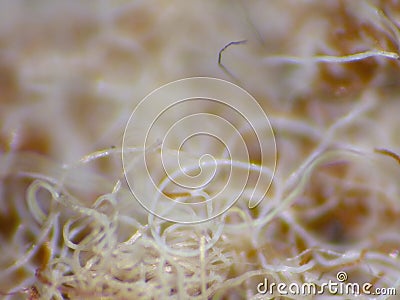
(326, 73)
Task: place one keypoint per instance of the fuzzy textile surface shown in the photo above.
(325, 73)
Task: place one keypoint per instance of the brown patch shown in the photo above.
(343, 222)
(8, 224)
(346, 78)
(349, 35)
(34, 139)
(43, 255)
(4, 143)
(252, 255)
(340, 225)
(255, 211)
(9, 84)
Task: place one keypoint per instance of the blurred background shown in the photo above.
(71, 72)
